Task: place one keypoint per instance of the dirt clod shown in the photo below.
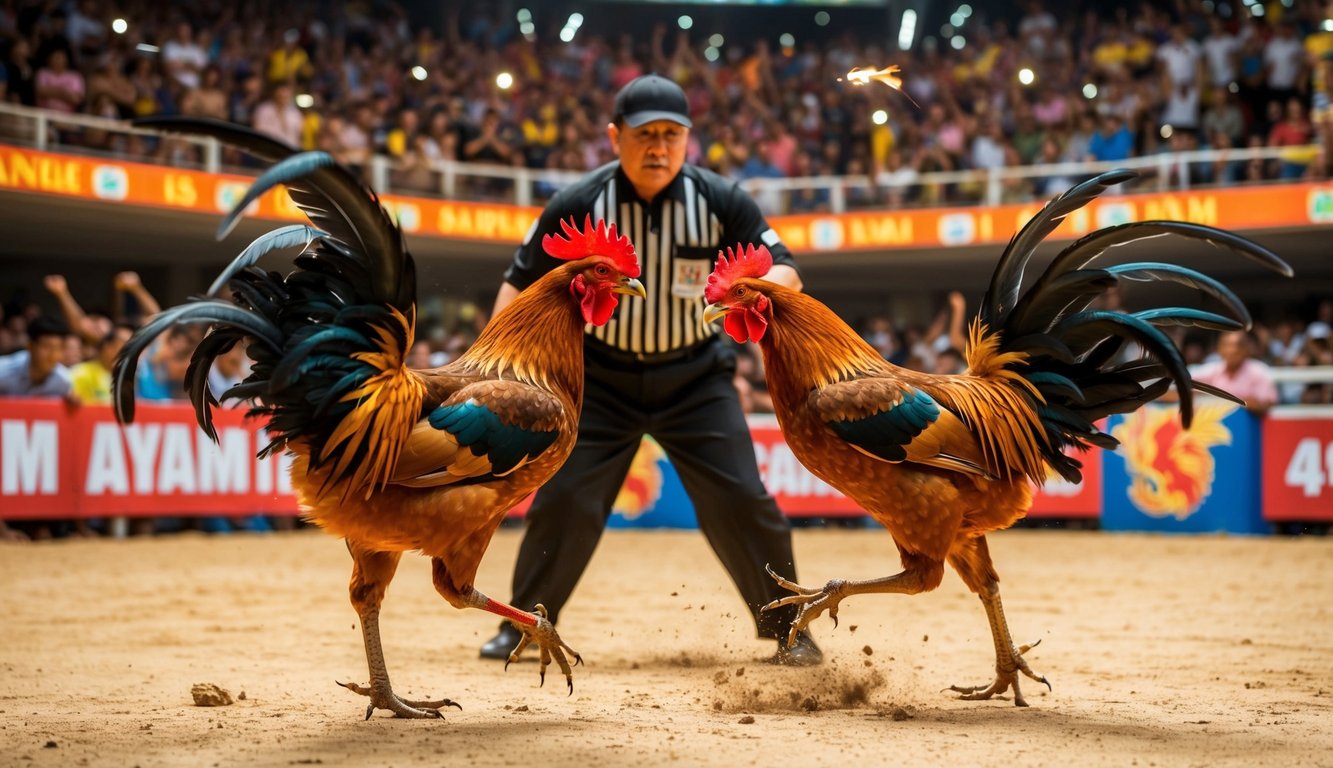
(210, 695)
(747, 720)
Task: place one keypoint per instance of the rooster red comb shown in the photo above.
(599, 240)
(735, 263)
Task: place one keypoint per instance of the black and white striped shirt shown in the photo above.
(677, 237)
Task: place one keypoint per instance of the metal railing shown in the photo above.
(451, 179)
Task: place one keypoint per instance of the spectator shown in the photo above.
(492, 143)
(1223, 116)
(1284, 60)
(90, 380)
(183, 58)
(91, 328)
(1221, 54)
(37, 371)
(209, 99)
(59, 88)
(279, 116)
(20, 76)
(1293, 131)
(1237, 372)
(1113, 142)
(289, 62)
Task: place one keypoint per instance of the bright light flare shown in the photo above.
(888, 76)
(419, 72)
(119, 26)
(1026, 76)
(879, 117)
(504, 81)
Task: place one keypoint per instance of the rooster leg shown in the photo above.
(1009, 659)
(921, 575)
(536, 628)
(971, 558)
(371, 574)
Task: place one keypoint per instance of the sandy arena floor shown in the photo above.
(1162, 651)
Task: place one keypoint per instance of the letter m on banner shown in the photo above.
(34, 461)
(29, 458)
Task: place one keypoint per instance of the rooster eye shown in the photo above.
(601, 270)
(740, 292)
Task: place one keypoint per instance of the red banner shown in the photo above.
(60, 462)
(1298, 465)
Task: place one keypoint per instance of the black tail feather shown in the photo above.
(1071, 351)
(313, 327)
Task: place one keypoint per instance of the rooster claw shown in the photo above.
(1006, 676)
(812, 602)
(549, 644)
(383, 697)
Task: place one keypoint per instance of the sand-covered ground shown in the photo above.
(1195, 651)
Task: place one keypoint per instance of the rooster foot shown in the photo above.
(1006, 675)
(383, 697)
(812, 602)
(551, 646)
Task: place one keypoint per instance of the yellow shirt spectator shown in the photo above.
(90, 381)
(289, 64)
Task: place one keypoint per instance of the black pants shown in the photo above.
(690, 407)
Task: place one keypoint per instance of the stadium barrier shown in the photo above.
(1232, 472)
(523, 188)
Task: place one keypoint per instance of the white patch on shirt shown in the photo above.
(770, 238)
(690, 277)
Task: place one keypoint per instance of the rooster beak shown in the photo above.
(714, 311)
(631, 287)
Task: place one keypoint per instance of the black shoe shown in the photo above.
(802, 653)
(503, 644)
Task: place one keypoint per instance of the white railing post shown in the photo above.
(379, 173)
(449, 179)
(523, 187)
(837, 201)
(212, 155)
(40, 126)
(992, 186)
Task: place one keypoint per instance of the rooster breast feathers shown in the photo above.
(888, 418)
(483, 431)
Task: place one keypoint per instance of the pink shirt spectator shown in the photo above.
(69, 81)
(1051, 110)
(283, 121)
(1252, 382)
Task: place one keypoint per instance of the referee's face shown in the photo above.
(651, 155)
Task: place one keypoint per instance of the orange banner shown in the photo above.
(1240, 208)
(115, 181)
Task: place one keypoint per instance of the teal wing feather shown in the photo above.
(483, 432)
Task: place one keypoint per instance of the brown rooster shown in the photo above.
(941, 461)
(389, 458)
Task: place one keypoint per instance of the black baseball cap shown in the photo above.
(651, 97)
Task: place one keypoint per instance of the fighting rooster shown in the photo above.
(941, 461)
(389, 458)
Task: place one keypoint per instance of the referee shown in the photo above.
(657, 368)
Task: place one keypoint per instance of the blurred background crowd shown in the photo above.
(1010, 84)
(1035, 83)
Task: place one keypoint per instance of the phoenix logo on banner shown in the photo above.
(1171, 468)
(643, 484)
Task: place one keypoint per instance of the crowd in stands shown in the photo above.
(340, 77)
(1109, 82)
